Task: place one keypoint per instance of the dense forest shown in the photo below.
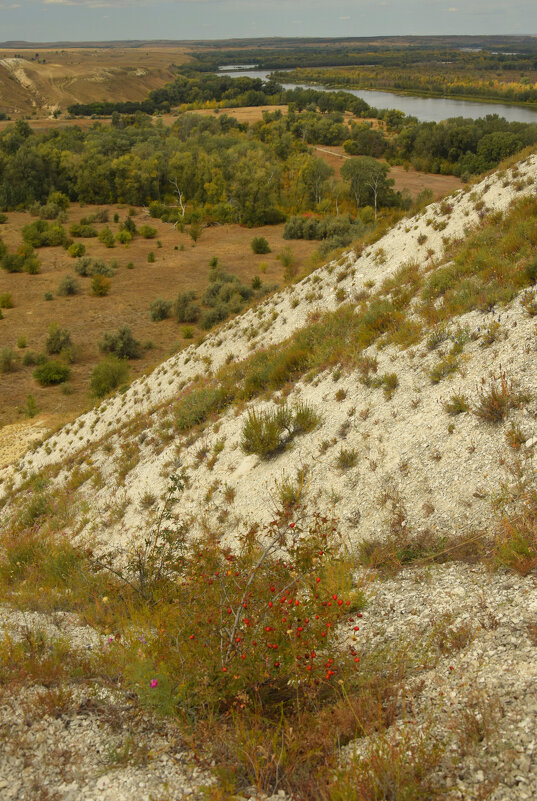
(458, 146)
(210, 168)
(368, 53)
(508, 82)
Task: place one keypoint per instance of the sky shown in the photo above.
(79, 20)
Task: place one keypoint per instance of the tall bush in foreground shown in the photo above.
(255, 625)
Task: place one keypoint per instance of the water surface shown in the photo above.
(426, 109)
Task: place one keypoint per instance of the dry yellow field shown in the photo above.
(87, 317)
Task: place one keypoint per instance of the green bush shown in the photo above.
(51, 372)
(78, 230)
(160, 309)
(198, 405)
(287, 258)
(42, 234)
(8, 360)
(147, 231)
(211, 317)
(184, 309)
(260, 245)
(76, 249)
(100, 216)
(106, 236)
(100, 285)
(151, 257)
(23, 260)
(30, 408)
(124, 237)
(30, 359)
(6, 300)
(87, 266)
(121, 344)
(129, 225)
(108, 375)
(3, 218)
(68, 286)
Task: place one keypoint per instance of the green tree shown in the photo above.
(315, 176)
(368, 179)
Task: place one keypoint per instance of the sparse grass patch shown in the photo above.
(457, 404)
(515, 543)
(346, 458)
(449, 364)
(529, 302)
(495, 402)
(269, 432)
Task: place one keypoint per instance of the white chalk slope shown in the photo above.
(445, 478)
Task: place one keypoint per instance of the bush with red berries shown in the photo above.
(257, 624)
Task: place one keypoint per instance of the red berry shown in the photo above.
(317, 580)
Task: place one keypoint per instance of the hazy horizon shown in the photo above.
(102, 20)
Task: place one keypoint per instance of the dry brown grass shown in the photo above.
(87, 317)
(83, 75)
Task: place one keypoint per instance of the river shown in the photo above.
(426, 109)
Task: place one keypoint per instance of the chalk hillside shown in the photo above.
(393, 389)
